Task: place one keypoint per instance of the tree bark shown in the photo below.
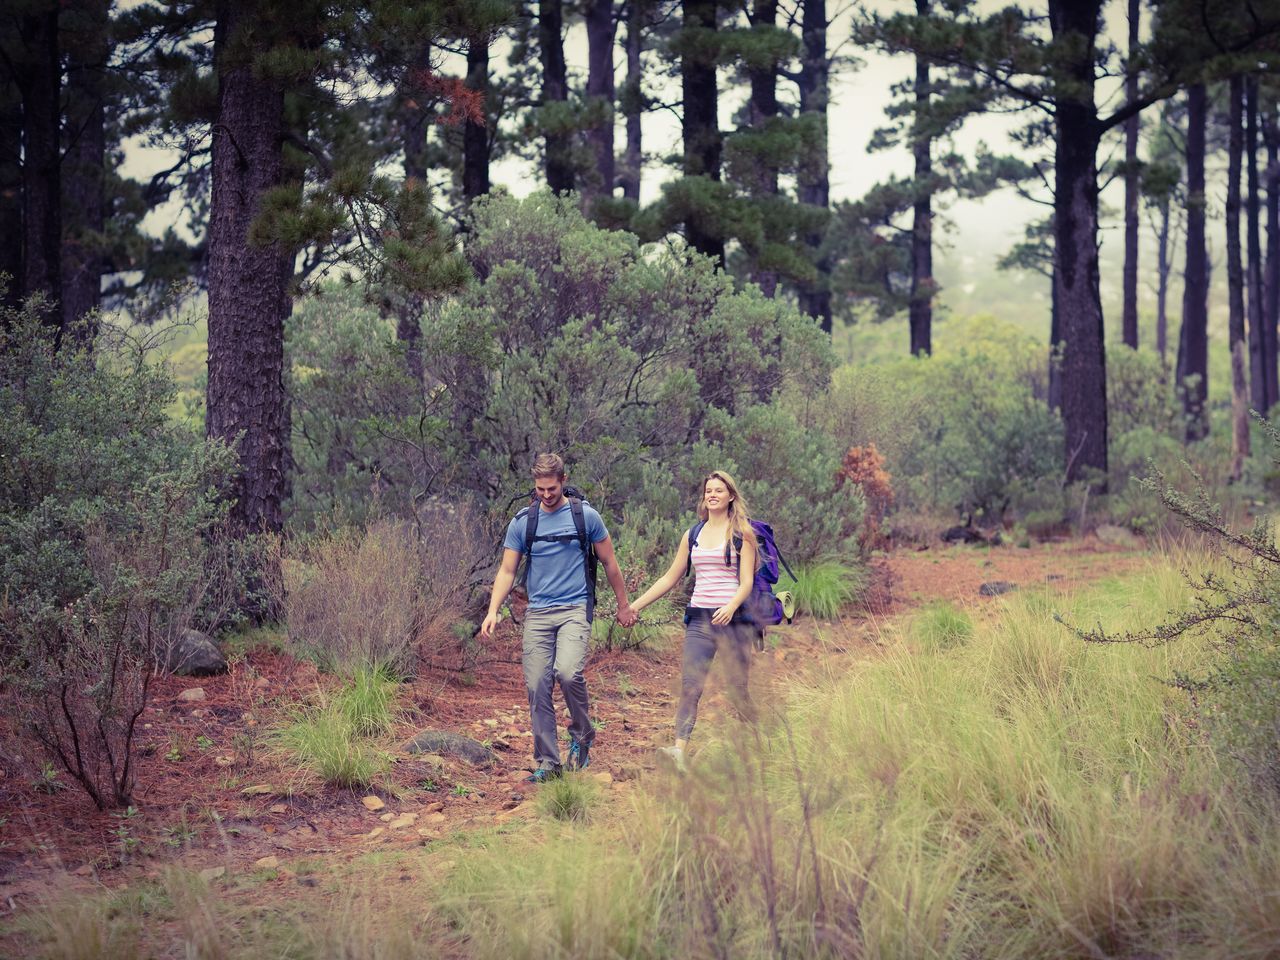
(814, 177)
(1235, 282)
(84, 175)
(248, 280)
(763, 111)
(633, 99)
(920, 313)
(700, 124)
(40, 80)
(601, 35)
(1163, 268)
(1193, 344)
(555, 89)
(1271, 136)
(11, 232)
(1131, 188)
(475, 136)
(1055, 344)
(1084, 367)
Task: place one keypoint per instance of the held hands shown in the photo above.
(627, 617)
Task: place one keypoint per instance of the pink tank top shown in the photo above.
(714, 583)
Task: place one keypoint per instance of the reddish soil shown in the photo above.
(196, 758)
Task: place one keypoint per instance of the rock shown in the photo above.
(84, 871)
(1118, 537)
(526, 809)
(387, 817)
(267, 863)
(436, 818)
(194, 654)
(209, 874)
(434, 807)
(278, 808)
(453, 744)
(427, 833)
(490, 722)
(262, 683)
(605, 778)
(372, 803)
(258, 790)
(511, 731)
(994, 588)
(191, 695)
(375, 833)
(961, 534)
(632, 771)
(404, 820)
(224, 762)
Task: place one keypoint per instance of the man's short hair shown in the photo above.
(548, 465)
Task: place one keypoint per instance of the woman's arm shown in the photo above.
(664, 583)
(746, 579)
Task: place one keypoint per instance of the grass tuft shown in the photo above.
(569, 798)
(825, 588)
(940, 626)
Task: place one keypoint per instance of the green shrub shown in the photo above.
(368, 702)
(824, 589)
(940, 626)
(112, 522)
(324, 742)
(569, 798)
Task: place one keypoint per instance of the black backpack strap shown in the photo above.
(530, 514)
(786, 566)
(694, 531)
(589, 559)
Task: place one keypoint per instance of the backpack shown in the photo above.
(761, 608)
(590, 561)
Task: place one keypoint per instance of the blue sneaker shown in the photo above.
(579, 754)
(543, 774)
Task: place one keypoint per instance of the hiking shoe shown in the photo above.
(543, 774)
(675, 755)
(579, 755)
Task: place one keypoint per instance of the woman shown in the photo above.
(724, 562)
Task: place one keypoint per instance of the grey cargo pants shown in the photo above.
(555, 648)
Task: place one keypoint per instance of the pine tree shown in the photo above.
(1193, 344)
(1132, 188)
(1235, 282)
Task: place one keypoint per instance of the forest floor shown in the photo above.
(212, 798)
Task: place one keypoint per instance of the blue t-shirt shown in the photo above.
(557, 574)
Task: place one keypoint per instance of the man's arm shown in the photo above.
(502, 584)
(604, 550)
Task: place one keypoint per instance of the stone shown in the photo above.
(490, 722)
(436, 817)
(375, 833)
(453, 744)
(604, 777)
(1118, 537)
(387, 817)
(267, 863)
(209, 874)
(404, 820)
(372, 803)
(434, 807)
(995, 588)
(258, 790)
(278, 808)
(85, 870)
(223, 762)
(191, 695)
(511, 731)
(526, 809)
(194, 654)
(428, 833)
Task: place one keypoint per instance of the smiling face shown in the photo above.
(550, 491)
(715, 495)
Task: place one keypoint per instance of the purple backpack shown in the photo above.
(762, 607)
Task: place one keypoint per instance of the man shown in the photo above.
(557, 626)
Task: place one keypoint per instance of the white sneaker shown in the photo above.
(676, 755)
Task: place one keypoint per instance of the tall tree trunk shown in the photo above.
(1164, 267)
(1131, 187)
(601, 35)
(475, 136)
(1193, 344)
(633, 98)
(83, 180)
(248, 282)
(814, 178)
(1257, 330)
(1055, 344)
(1075, 216)
(40, 79)
(763, 111)
(1271, 318)
(11, 232)
(555, 89)
(1235, 283)
(700, 125)
(921, 309)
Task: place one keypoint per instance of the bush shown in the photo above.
(111, 545)
(368, 702)
(940, 626)
(570, 798)
(824, 589)
(332, 740)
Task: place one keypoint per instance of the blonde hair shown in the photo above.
(739, 516)
(548, 465)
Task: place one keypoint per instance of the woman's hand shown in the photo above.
(724, 614)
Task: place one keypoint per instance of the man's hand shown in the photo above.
(490, 621)
(627, 617)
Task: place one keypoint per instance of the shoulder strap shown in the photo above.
(530, 531)
(694, 531)
(589, 560)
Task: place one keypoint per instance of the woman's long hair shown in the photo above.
(739, 516)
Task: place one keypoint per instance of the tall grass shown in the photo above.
(823, 589)
(1020, 795)
(940, 626)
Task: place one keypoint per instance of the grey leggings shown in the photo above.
(702, 639)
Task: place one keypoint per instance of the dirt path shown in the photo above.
(201, 760)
